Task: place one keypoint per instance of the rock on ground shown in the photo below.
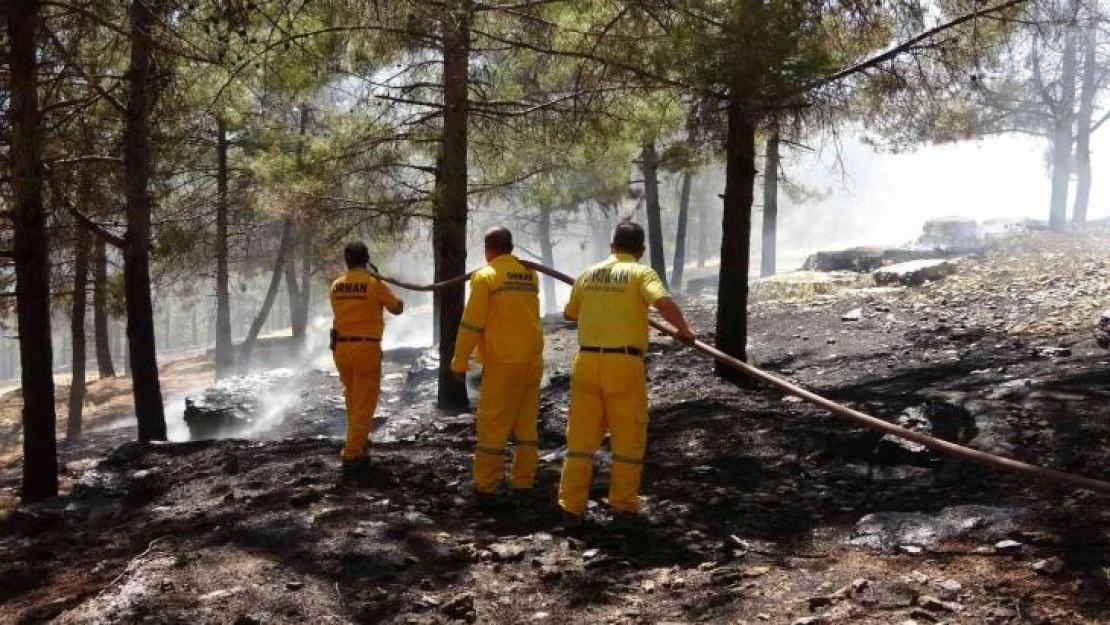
(914, 273)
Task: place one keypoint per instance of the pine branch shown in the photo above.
(119, 30)
(911, 43)
(86, 158)
(1100, 122)
(89, 81)
(520, 6)
(593, 56)
(95, 228)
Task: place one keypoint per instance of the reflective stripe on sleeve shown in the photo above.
(473, 328)
(515, 288)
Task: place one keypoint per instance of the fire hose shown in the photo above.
(855, 416)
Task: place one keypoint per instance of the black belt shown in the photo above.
(357, 339)
(631, 351)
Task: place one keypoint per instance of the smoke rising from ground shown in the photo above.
(883, 198)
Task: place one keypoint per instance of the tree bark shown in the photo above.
(271, 293)
(680, 234)
(1083, 128)
(298, 294)
(703, 232)
(770, 205)
(225, 355)
(650, 166)
(77, 332)
(136, 253)
(449, 226)
(1062, 134)
(547, 256)
(736, 229)
(31, 249)
(307, 255)
(167, 325)
(299, 291)
(100, 311)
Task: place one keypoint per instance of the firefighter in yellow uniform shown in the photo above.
(357, 301)
(502, 321)
(608, 389)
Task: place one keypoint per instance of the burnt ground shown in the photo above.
(759, 508)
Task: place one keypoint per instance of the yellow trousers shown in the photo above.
(360, 369)
(508, 405)
(608, 392)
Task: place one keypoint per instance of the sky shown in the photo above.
(882, 198)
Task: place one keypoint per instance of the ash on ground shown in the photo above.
(759, 508)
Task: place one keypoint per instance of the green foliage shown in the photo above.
(333, 115)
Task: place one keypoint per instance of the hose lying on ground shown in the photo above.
(867, 421)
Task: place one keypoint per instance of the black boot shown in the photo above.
(488, 503)
(627, 522)
(570, 522)
(525, 498)
(355, 471)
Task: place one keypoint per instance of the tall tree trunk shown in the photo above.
(547, 256)
(299, 291)
(308, 252)
(1083, 127)
(77, 332)
(736, 232)
(449, 226)
(770, 205)
(298, 294)
(1062, 135)
(225, 355)
(121, 346)
(650, 165)
(194, 335)
(31, 252)
(703, 232)
(136, 252)
(271, 293)
(102, 338)
(680, 234)
(293, 297)
(167, 325)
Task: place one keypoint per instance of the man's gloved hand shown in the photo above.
(332, 336)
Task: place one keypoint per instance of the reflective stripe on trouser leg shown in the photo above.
(360, 369)
(585, 426)
(487, 468)
(626, 407)
(526, 451)
(497, 413)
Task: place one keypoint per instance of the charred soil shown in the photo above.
(758, 508)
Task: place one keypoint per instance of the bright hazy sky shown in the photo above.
(884, 198)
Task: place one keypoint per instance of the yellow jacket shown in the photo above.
(610, 301)
(357, 299)
(502, 316)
